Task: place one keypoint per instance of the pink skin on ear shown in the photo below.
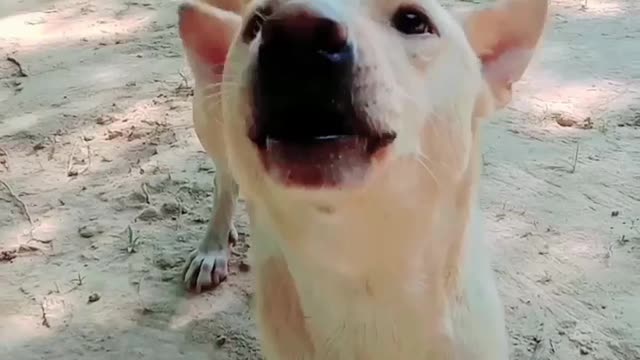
(504, 39)
(207, 33)
(503, 68)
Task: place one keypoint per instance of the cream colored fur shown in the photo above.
(396, 268)
(207, 266)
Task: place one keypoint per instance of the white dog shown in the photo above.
(352, 128)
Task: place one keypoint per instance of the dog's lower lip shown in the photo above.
(326, 161)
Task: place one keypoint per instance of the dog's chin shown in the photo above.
(321, 160)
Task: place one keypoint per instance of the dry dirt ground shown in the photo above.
(110, 190)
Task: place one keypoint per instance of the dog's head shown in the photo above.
(331, 94)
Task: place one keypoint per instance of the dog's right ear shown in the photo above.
(504, 37)
(207, 33)
(235, 6)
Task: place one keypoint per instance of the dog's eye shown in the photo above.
(254, 24)
(411, 20)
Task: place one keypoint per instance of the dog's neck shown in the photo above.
(404, 222)
(385, 263)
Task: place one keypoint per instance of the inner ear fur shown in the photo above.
(505, 37)
(207, 33)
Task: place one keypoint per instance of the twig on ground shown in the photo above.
(185, 82)
(86, 168)
(46, 242)
(70, 170)
(24, 291)
(623, 240)
(609, 253)
(25, 248)
(70, 160)
(52, 152)
(8, 255)
(138, 287)
(79, 280)
(575, 159)
(145, 191)
(45, 321)
(180, 209)
(23, 206)
(5, 161)
(15, 62)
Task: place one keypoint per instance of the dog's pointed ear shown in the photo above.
(235, 6)
(207, 33)
(505, 37)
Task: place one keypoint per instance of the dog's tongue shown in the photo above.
(319, 162)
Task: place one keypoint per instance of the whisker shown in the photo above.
(449, 149)
(220, 91)
(439, 133)
(222, 83)
(414, 99)
(208, 95)
(420, 158)
(260, 15)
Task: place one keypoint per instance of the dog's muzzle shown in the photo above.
(304, 122)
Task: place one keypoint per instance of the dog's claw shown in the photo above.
(233, 236)
(206, 270)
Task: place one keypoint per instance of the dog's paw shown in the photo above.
(233, 235)
(206, 269)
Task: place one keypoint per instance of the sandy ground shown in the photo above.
(97, 146)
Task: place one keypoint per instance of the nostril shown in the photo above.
(330, 36)
(307, 30)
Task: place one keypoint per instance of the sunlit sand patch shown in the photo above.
(581, 100)
(46, 230)
(189, 310)
(18, 123)
(31, 31)
(16, 330)
(600, 8)
(13, 236)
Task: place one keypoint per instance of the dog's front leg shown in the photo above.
(208, 265)
(284, 335)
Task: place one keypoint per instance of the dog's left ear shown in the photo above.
(207, 33)
(505, 37)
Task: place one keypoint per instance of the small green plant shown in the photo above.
(132, 241)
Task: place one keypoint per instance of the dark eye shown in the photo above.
(410, 20)
(254, 25)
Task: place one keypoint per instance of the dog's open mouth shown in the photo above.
(316, 145)
(305, 125)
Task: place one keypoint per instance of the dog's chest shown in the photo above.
(356, 325)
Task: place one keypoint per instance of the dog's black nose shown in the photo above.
(305, 31)
(303, 76)
(304, 54)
